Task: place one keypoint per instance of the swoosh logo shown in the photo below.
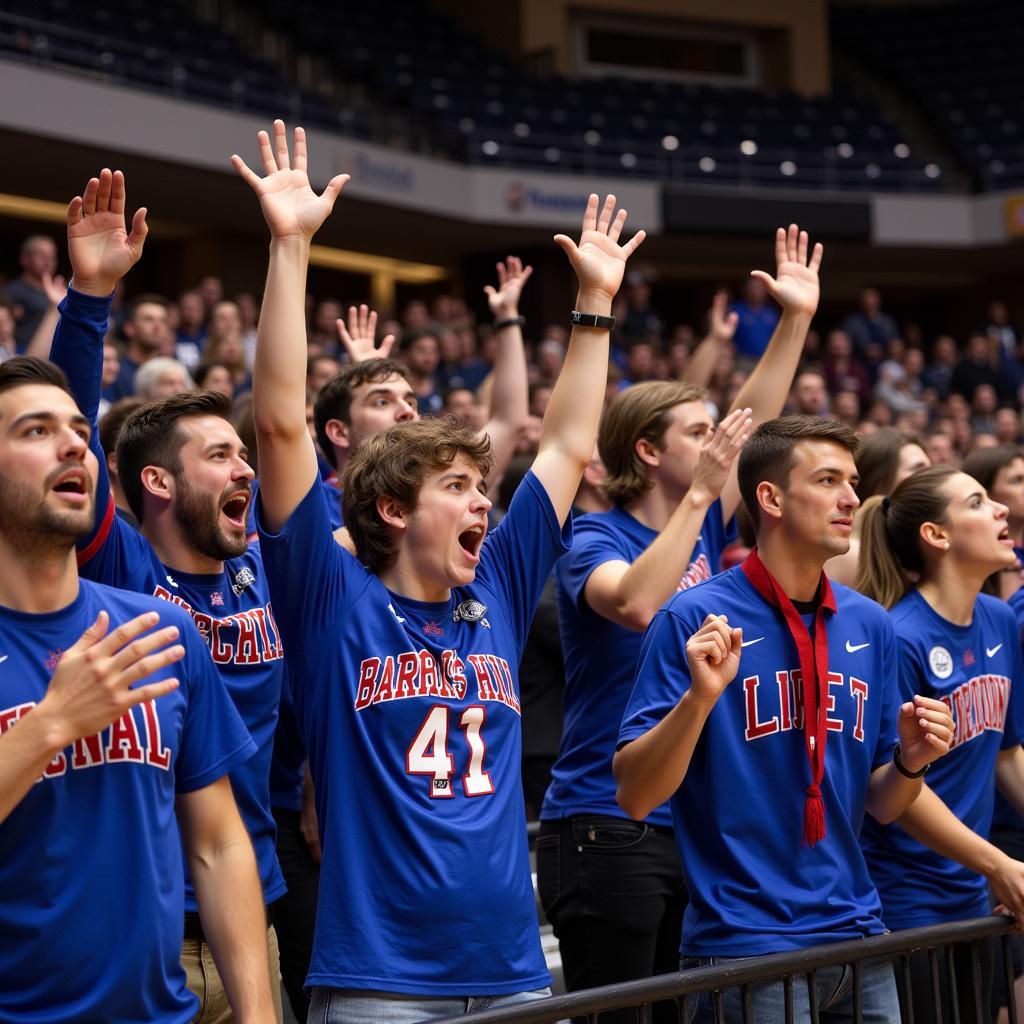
(990, 651)
(854, 648)
(3, 659)
(747, 643)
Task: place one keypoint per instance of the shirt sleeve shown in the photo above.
(78, 350)
(312, 579)
(662, 675)
(593, 543)
(214, 740)
(517, 558)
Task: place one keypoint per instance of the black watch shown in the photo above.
(512, 321)
(903, 771)
(603, 323)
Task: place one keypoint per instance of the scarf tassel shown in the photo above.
(814, 816)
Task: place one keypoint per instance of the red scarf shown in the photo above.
(814, 676)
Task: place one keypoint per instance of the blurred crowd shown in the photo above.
(958, 394)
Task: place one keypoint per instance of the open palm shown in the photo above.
(598, 259)
(101, 249)
(795, 286)
(290, 206)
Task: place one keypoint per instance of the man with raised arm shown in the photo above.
(769, 776)
(182, 468)
(671, 478)
(99, 774)
(403, 660)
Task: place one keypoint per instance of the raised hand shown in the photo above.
(719, 452)
(92, 684)
(504, 300)
(713, 654)
(360, 337)
(291, 208)
(599, 260)
(722, 323)
(795, 286)
(102, 251)
(55, 289)
(925, 729)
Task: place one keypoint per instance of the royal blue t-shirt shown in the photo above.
(977, 671)
(1003, 815)
(231, 608)
(412, 725)
(331, 493)
(90, 860)
(738, 816)
(601, 657)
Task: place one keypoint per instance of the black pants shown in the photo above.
(921, 985)
(295, 912)
(613, 891)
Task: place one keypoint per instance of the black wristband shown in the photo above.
(903, 771)
(604, 323)
(512, 321)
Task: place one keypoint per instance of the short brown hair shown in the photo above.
(335, 398)
(22, 370)
(639, 412)
(395, 463)
(769, 454)
(150, 437)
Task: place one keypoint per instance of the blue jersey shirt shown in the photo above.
(977, 672)
(231, 609)
(738, 816)
(1003, 815)
(412, 725)
(601, 657)
(90, 860)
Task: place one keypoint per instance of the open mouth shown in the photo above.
(235, 509)
(470, 541)
(73, 483)
(1005, 538)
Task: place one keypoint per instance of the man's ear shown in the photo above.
(339, 434)
(648, 451)
(391, 512)
(769, 500)
(158, 481)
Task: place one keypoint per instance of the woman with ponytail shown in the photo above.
(926, 551)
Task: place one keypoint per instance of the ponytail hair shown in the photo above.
(891, 555)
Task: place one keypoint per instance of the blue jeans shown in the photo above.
(355, 1006)
(834, 986)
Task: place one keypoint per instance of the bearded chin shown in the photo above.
(26, 518)
(199, 516)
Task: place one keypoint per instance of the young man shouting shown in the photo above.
(402, 661)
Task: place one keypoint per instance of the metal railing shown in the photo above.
(791, 968)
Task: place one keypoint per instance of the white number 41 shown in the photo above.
(428, 753)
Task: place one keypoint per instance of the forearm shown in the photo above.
(766, 388)
(26, 748)
(890, 793)
(577, 401)
(78, 346)
(933, 824)
(279, 371)
(652, 767)
(654, 577)
(509, 401)
(234, 921)
(702, 363)
(42, 339)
